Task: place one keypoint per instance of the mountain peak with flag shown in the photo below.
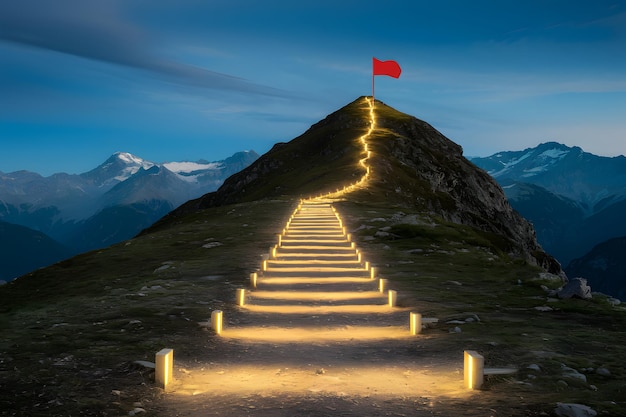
(390, 68)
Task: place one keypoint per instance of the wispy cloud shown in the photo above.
(98, 31)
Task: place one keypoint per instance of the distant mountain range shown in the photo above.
(575, 200)
(111, 203)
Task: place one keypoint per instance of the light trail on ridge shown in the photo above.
(362, 162)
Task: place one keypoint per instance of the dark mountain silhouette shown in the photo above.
(23, 249)
(604, 267)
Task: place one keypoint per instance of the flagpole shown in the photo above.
(373, 99)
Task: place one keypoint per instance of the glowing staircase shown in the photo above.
(315, 285)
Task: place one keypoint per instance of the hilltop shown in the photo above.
(413, 166)
(437, 227)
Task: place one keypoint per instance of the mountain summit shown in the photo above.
(410, 163)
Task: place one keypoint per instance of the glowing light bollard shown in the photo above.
(352, 245)
(372, 273)
(473, 369)
(241, 297)
(349, 237)
(382, 285)
(358, 256)
(253, 279)
(367, 265)
(264, 265)
(280, 240)
(272, 252)
(217, 321)
(393, 298)
(415, 323)
(164, 367)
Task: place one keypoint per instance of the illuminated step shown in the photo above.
(316, 295)
(317, 248)
(340, 267)
(341, 263)
(321, 309)
(294, 256)
(303, 279)
(348, 334)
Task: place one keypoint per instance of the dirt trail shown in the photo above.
(316, 336)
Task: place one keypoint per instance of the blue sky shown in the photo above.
(171, 80)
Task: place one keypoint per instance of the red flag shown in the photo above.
(390, 68)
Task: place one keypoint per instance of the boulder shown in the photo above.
(574, 410)
(578, 288)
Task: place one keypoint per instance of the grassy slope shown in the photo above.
(422, 260)
(70, 332)
(71, 336)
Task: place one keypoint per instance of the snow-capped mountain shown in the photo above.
(62, 205)
(591, 180)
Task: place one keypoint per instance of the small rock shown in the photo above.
(614, 301)
(577, 288)
(320, 371)
(593, 388)
(211, 245)
(145, 364)
(534, 367)
(161, 268)
(116, 392)
(452, 283)
(136, 411)
(455, 322)
(574, 410)
(572, 373)
(455, 330)
(544, 308)
(603, 372)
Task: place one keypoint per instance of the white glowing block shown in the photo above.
(280, 240)
(164, 366)
(393, 298)
(264, 267)
(241, 296)
(358, 257)
(253, 279)
(352, 245)
(367, 265)
(216, 321)
(273, 252)
(349, 237)
(372, 273)
(415, 323)
(382, 285)
(473, 369)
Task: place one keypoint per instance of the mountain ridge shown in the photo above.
(583, 177)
